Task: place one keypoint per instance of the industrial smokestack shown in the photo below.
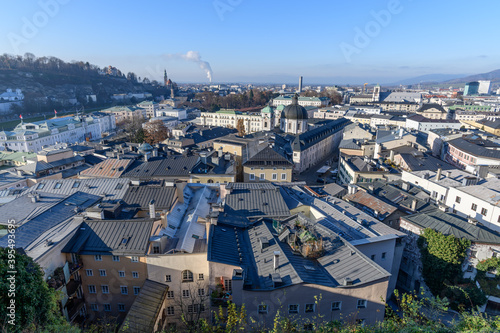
(300, 84)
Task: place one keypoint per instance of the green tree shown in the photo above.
(441, 258)
(36, 307)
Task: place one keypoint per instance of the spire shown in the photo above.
(295, 99)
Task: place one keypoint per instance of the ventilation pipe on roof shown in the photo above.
(276, 259)
(152, 212)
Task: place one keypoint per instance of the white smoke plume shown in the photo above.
(193, 56)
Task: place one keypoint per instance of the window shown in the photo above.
(102, 272)
(201, 276)
(228, 285)
(170, 294)
(107, 307)
(76, 184)
(473, 254)
(201, 292)
(458, 199)
(185, 293)
(92, 289)
(262, 176)
(135, 275)
(168, 278)
(494, 254)
(170, 311)
(116, 258)
(275, 176)
(134, 259)
(263, 308)
(187, 276)
(293, 308)
(40, 186)
(309, 308)
(121, 273)
(283, 176)
(473, 207)
(372, 257)
(384, 254)
(94, 307)
(124, 290)
(89, 272)
(119, 186)
(262, 168)
(484, 211)
(105, 289)
(156, 248)
(252, 176)
(58, 186)
(137, 290)
(470, 268)
(336, 306)
(361, 303)
(121, 307)
(97, 257)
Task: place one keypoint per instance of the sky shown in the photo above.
(327, 42)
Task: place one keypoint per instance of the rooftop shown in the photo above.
(451, 224)
(111, 238)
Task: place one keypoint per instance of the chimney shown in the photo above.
(414, 205)
(443, 208)
(347, 281)
(276, 259)
(220, 152)
(203, 157)
(146, 157)
(471, 220)
(352, 189)
(438, 174)
(164, 222)
(155, 152)
(391, 156)
(152, 212)
(23, 158)
(33, 197)
(401, 131)
(448, 174)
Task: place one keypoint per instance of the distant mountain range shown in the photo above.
(493, 76)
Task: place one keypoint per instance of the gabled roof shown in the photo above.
(147, 306)
(62, 211)
(267, 156)
(429, 106)
(247, 203)
(140, 197)
(124, 237)
(451, 224)
(110, 168)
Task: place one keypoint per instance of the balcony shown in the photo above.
(75, 266)
(56, 280)
(73, 306)
(72, 287)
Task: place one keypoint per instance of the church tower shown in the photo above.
(165, 78)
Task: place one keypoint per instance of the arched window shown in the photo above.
(210, 181)
(187, 276)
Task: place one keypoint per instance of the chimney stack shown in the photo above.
(152, 212)
(146, 157)
(438, 174)
(414, 205)
(276, 259)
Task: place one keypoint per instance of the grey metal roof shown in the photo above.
(22, 209)
(243, 204)
(475, 148)
(140, 196)
(172, 166)
(147, 306)
(451, 224)
(62, 211)
(109, 189)
(311, 137)
(425, 162)
(124, 237)
(268, 156)
(349, 144)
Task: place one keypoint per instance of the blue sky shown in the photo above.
(328, 42)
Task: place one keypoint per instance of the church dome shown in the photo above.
(294, 111)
